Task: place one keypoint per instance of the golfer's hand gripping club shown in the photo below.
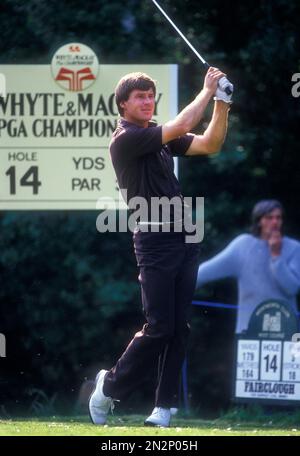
(224, 84)
(224, 91)
(225, 87)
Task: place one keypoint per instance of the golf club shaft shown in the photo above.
(181, 34)
(224, 84)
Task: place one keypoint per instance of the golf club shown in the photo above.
(224, 84)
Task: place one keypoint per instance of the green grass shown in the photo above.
(231, 424)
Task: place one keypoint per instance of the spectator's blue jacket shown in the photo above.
(260, 277)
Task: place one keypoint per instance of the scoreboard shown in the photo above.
(267, 366)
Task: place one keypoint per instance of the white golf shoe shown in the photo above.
(159, 417)
(99, 404)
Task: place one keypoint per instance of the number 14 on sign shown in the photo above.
(28, 179)
(270, 360)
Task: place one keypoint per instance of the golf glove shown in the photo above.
(221, 94)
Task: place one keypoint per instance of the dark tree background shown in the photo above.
(69, 295)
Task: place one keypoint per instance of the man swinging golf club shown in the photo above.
(141, 153)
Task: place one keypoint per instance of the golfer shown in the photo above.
(142, 155)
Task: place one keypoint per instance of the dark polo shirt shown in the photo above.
(143, 165)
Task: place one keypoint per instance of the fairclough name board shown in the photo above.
(268, 369)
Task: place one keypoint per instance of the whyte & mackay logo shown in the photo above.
(75, 67)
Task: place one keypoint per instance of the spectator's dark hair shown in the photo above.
(260, 209)
(130, 82)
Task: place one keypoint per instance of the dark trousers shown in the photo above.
(168, 271)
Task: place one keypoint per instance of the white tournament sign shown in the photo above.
(267, 367)
(56, 123)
